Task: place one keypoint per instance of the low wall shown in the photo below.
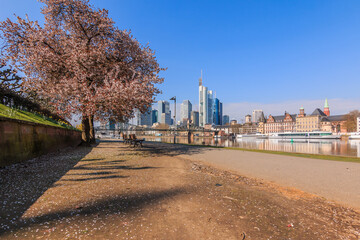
(21, 140)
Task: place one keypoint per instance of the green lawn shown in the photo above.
(29, 117)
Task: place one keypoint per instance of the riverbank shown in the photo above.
(113, 191)
(287, 153)
(333, 180)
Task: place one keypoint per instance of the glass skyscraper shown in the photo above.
(217, 114)
(185, 110)
(210, 108)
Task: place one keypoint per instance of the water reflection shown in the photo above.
(313, 146)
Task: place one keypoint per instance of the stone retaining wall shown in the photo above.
(21, 140)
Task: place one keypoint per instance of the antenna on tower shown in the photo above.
(200, 79)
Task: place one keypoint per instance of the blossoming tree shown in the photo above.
(82, 62)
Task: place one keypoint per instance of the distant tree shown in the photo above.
(82, 63)
(9, 78)
(350, 120)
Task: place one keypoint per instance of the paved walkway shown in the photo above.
(338, 181)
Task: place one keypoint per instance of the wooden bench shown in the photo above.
(126, 139)
(132, 140)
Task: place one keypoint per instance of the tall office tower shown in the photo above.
(163, 107)
(165, 118)
(221, 113)
(185, 110)
(216, 108)
(145, 119)
(195, 118)
(210, 107)
(203, 103)
(226, 119)
(217, 116)
(256, 115)
(154, 116)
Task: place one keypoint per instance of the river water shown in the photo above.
(314, 146)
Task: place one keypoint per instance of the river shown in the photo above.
(327, 147)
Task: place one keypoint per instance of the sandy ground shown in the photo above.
(113, 191)
(333, 180)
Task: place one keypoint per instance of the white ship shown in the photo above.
(354, 136)
(256, 135)
(304, 135)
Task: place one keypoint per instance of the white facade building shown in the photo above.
(358, 124)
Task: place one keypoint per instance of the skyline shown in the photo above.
(282, 52)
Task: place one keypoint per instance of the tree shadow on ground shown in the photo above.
(126, 203)
(172, 150)
(23, 183)
(93, 178)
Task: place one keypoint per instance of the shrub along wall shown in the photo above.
(21, 140)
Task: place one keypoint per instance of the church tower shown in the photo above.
(326, 108)
(302, 112)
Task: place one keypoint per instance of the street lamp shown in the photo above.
(174, 98)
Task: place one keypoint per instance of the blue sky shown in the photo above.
(277, 55)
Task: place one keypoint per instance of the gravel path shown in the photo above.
(113, 191)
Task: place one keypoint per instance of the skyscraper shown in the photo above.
(195, 118)
(217, 112)
(221, 113)
(164, 112)
(203, 103)
(210, 109)
(226, 119)
(165, 118)
(256, 115)
(163, 107)
(145, 119)
(185, 110)
(154, 116)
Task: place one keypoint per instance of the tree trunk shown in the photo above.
(91, 130)
(85, 130)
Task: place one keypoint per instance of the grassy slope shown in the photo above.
(29, 117)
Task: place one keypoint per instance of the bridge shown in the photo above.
(141, 131)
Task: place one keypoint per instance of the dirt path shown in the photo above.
(337, 181)
(116, 192)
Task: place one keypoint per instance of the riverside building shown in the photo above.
(282, 123)
(320, 120)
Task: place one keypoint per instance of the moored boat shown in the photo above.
(354, 136)
(304, 135)
(256, 135)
